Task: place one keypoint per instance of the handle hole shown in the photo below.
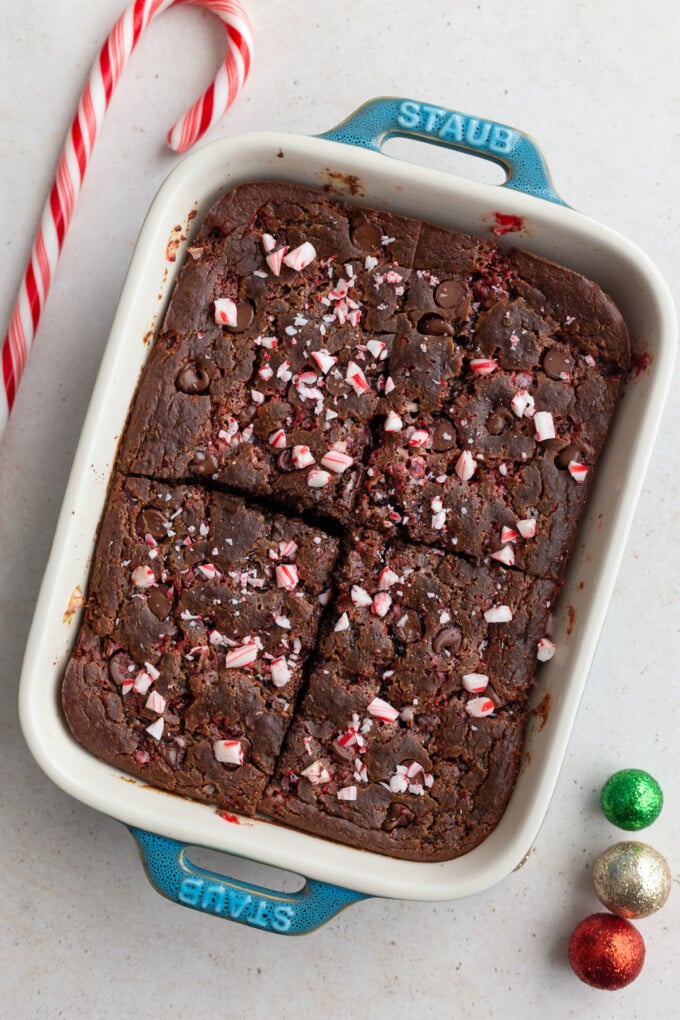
(475, 168)
(245, 871)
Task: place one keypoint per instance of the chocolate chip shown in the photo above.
(443, 436)
(159, 603)
(206, 467)
(398, 817)
(367, 236)
(499, 420)
(192, 380)
(119, 667)
(567, 454)
(558, 363)
(285, 460)
(244, 316)
(434, 325)
(449, 293)
(449, 638)
(408, 627)
(151, 522)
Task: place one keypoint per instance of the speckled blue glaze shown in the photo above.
(379, 119)
(171, 872)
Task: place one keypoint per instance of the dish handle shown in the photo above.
(388, 117)
(173, 875)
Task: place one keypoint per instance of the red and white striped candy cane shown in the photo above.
(78, 147)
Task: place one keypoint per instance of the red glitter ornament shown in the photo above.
(606, 951)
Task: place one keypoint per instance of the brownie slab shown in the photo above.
(278, 399)
(408, 738)
(337, 381)
(200, 615)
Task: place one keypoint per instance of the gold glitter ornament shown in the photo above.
(632, 879)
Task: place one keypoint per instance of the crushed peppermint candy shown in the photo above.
(545, 426)
(142, 682)
(356, 378)
(505, 555)
(466, 465)
(275, 260)
(302, 457)
(419, 438)
(509, 534)
(579, 472)
(360, 596)
(378, 348)
(478, 708)
(228, 752)
(386, 578)
(243, 655)
(155, 702)
(316, 773)
(483, 366)
(382, 710)
(337, 461)
(287, 576)
(438, 521)
(498, 614)
(300, 257)
(270, 343)
(347, 793)
(342, 624)
(283, 372)
(393, 422)
(398, 782)
(226, 313)
(208, 570)
(527, 527)
(268, 243)
(522, 404)
(323, 360)
(155, 729)
(546, 650)
(280, 671)
(283, 622)
(318, 479)
(381, 603)
(143, 577)
(475, 683)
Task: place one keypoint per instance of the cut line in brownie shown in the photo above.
(407, 740)
(200, 615)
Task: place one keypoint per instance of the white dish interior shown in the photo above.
(550, 230)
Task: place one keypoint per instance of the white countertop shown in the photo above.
(83, 934)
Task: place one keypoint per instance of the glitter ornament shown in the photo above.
(631, 799)
(632, 879)
(606, 951)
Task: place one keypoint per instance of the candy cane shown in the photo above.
(78, 147)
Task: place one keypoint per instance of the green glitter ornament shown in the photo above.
(631, 799)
